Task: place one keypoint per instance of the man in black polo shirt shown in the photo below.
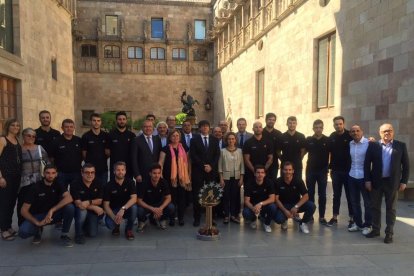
(87, 196)
(340, 165)
(47, 202)
(292, 198)
(274, 135)
(120, 140)
(292, 145)
(259, 200)
(317, 147)
(95, 148)
(154, 198)
(257, 151)
(66, 153)
(119, 201)
(45, 135)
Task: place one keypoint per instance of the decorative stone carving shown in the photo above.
(167, 30)
(146, 29)
(122, 29)
(189, 32)
(99, 27)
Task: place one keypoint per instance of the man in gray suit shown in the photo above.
(242, 135)
(386, 170)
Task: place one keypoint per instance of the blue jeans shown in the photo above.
(168, 212)
(28, 229)
(130, 215)
(86, 221)
(67, 178)
(308, 208)
(268, 213)
(357, 188)
(340, 179)
(320, 177)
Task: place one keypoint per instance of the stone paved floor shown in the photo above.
(241, 251)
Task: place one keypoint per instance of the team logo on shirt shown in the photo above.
(42, 194)
(62, 147)
(82, 192)
(95, 190)
(125, 190)
(91, 142)
(114, 191)
(115, 141)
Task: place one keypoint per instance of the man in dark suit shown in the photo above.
(145, 150)
(386, 170)
(186, 134)
(242, 135)
(205, 153)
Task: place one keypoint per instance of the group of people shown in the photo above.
(155, 175)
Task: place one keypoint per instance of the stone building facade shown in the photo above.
(139, 56)
(36, 66)
(316, 60)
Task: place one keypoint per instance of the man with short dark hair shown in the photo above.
(292, 145)
(66, 153)
(45, 134)
(87, 196)
(47, 202)
(273, 135)
(119, 202)
(242, 135)
(292, 198)
(171, 122)
(186, 134)
(317, 147)
(119, 145)
(259, 199)
(95, 148)
(154, 198)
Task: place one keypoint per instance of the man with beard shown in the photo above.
(95, 148)
(273, 135)
(120, 140)
(45, 135)
(257, 151)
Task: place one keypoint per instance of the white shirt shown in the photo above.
(358, 151)
(203, 138)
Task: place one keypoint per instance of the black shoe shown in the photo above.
(80, 239)
(66, 241)
(350, 223)
(171, 223)
(323, 221)
(373, 234)
(37, 238)
(181, 222)
(332, 222)
(116, 231)
(388, 238)
(196, 223)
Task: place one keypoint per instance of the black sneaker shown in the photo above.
(116, 231)
(80, 239)
(37, 238)
(171, 223)
(350, 223)
(388, 238)
(66, 241)
(323, 221)
(332, 222)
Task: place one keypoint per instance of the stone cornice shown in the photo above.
(195, 3)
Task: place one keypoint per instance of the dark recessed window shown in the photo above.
(88, 50)
(157, 53)
(200, 54)
(54, 69)
(111, 51)
(6, 25)
(135, 53)
(157, 28)
(179, 53)
(200, 29)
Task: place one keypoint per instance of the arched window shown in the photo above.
(135, 52)
(111, 51)
(157, 53)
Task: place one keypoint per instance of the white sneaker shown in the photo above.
(354, 228)
(163, 224)
(284, 225)
(253, 225)
(267, 228)
(366, 230)
(141, 226)
(304, 228)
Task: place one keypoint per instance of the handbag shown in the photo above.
(42, 161)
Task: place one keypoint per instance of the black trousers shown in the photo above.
(387, 190)
(20, 200)
(178, 195)
(8, 196)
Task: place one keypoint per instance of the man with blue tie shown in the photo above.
(242, 135)
(386, 170)
(186, 134)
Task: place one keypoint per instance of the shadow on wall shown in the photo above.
(218, 101)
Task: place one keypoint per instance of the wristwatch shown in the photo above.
(123, 208)
(296, 206)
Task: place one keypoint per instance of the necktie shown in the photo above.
(241, 140)
(150, 143)
(188, 140)
(205, 142)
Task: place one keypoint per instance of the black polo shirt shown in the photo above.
(45, 138)
(118, 195)
(120, 145)
(291, 146)
(67, 154)
(258, 150)
(95, 146)
(318, 153)
(259, 193)
(80, 191)
(275, 137)
(340, 156)
(42, 197)
(290, 193)
(151, 195)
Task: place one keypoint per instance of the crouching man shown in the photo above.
(154, 198)
(292, 198)
(119, 202)
(259, 199)
(47, 202)
(87, 197)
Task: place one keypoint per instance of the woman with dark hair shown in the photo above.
(176, 170)
(231, 170)
(10, 171)
(32, 157)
